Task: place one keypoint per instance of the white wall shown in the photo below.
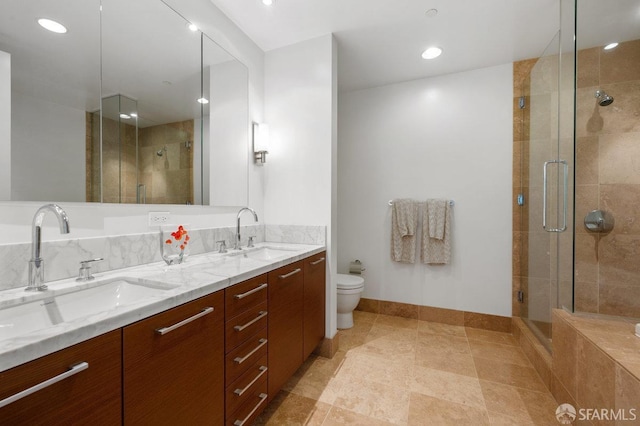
(48, 144)
(5, 125)
(443, 137)
(300, 100)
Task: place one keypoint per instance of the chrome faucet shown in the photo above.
(36, 264)
(255, 216)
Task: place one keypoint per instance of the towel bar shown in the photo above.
(451, 202)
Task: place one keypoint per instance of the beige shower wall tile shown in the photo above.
(622, 115)
(586, 257)
(627, 394)
(621, 63)
(565, 353)
(619, 298)
(622, 202)
(618, 158)
(588, 67)
(586, 296)
(589, 119)
(594, 390)
(587, 160)
(618, 255)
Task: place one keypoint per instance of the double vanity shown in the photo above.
(208, 341)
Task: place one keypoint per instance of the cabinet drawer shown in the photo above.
(176, 377)
(245, 325)
(86, 397)
(247, 294)
(246, 414)
(245, 355)
(245, 386)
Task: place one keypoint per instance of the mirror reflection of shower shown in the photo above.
(603, 98)
(161, 152)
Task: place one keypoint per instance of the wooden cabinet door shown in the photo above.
(174, 369)
(87, 396)
(314, 301)
(285, 328)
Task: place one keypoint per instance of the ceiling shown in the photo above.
(380, 41)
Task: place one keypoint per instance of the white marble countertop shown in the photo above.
(198, 276)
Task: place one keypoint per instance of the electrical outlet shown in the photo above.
(159, 218)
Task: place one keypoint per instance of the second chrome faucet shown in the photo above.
(237, 245)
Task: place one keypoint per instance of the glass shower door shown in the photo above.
(546, 257)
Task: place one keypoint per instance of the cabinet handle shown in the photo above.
(263, 396)
(164, 330)
(244, 358)
(263, 370)
(282, 277)
(74, 369)
(250, 292)
(261, 315)
(318, 261)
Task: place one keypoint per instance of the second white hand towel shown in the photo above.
(404, 221)
(436, 243)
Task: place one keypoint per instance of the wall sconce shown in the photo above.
(260, 142)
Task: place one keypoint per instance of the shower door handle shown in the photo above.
(565, 168)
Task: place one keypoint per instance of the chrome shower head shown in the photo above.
(603, 98)
(161, 152)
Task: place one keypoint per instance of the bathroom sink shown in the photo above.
(267, 253)
(108, 295)
(22, 319)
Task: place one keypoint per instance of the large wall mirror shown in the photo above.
(130, 105)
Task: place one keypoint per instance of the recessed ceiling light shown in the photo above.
(203, 101)
(267, 2)
(610, 46)
(432, 52)
(52, 26)
(125, 116)
(431, 13)
(192, 27)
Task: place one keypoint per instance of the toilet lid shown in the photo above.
(350, 281)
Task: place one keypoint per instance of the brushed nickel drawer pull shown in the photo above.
(74, 369)
(250, 292)
(164, 330)
(240, 360)
(318, 261)
(282, 277)
(239, 392)
(261, 315)
(263, 396)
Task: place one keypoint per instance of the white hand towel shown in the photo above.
(404, 221)
(436, 250)
(436, 209)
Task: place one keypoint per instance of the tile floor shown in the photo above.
(398, 371)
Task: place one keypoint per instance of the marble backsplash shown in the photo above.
(122, 251)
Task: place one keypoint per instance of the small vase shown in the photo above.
(174, 243)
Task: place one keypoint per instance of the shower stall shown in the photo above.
(577, 168)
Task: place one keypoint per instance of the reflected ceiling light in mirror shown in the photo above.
(125, 116)
(203, 101)
(611, 46)
(134, 115)
(267, 2)
(260, 142)
(432, 52)
(192, 27)
(53, 26)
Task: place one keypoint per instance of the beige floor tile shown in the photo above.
(395, 333)
(389, 348)
(426, 410)
(509, 374)
(499, 419)
(451, 362)
(498, 351)
(375, 400)
(362, 317)
(358, 328)
(351, 341)
(339, 416)
(437, 344)
(541, 406)
(291, 409)
(449, 386)
(490, 336)
(504, 400)
(397, 373)
(443, 329)
(399, 322)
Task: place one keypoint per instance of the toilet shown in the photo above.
(349, 291)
